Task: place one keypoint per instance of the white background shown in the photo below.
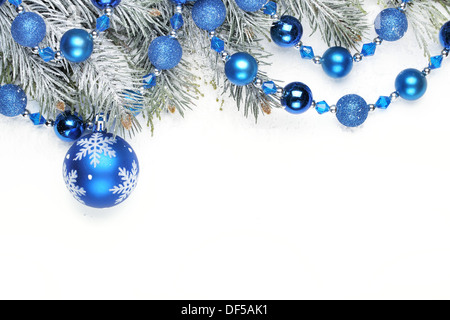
(292, 207)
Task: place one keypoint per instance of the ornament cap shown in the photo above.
(100, 123)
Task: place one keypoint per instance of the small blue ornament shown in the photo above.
(411, 84)
(13, 100)
(69, 127)
(165, 53)
(251, 5)
(77, 45)
(209, 14)
(287, 32)
(297, 98)
(101, 170)
(391, 24)
(444, 35)
(352, 110)
(241, 69)
(103, 4)
(337, 62)
(28, 29)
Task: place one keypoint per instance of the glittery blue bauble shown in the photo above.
(352, 110)
(241, 69)
(251, 5)
(287, 32)
(444, 35)
(337, 62)
(165, 53)
(411, 84)
(77, 45)
(69, 127)
(391, 24)
(101, 170)
(209, 14)
(28, 29)
(103, 4)
(13, 100)
(297, 98)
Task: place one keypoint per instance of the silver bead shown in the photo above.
(426, 71)
(225, 56)
(333, 109)
(313, 104)
(35, 50)
(179, 9)
(317, 60)
(20, 9)
(402, 6)
(377, 41)
(394, 96)
(212, 34)
(280, 92)
(58, 55)
(444, 53)
(157, 72)
(94, 34)
(258, 82)
(357, 57)
(49, 123)
(26, 113)
(109, 11)
(275, 17)
(372, 107)
(299, 45)
(173, 34)
(90, 125)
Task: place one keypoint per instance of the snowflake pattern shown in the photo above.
(94, 146)
(129, 180)
(70, 178)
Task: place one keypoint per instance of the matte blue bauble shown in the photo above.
(251, 5)
(69, 127)
(28, 29)
(103, 4)
(391, 24)
(444, 35)
(77, 45)
(209, 14)
(101, 170)
(411, 84)
(13, 100)
(337, 62)
(297, 98)
(352, 110)
(287, 32)
(241, 69)
(165, 53)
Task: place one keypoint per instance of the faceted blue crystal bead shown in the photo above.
(47, 54)
(269, 87)
(15, 2)
(369, 49)
(322, 107)
(103, 23)
(307, 52)
(150, 80)
(436, 62)
(217, 44)
(270, 8)
(177, 21)
(37, 119)
(383, 102)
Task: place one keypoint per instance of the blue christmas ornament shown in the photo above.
(103, 4)
(337, 62)
(77, 45)
(297, 98)
(391, 24)
(101, 170)
(251, 5)
(287, 32)
(28, 29)
(352, 110)
(241, 69)
(13, 100)
(209, 14)
(69, 127)
(411, 84)
(444, 35)
(165, 53)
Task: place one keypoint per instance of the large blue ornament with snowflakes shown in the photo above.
(28, 29)
(101, 170)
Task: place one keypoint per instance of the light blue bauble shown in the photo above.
(103, 4)
(165, 53)
(101, 170)
(241, 69)
(28, 29)
(411, 84)
(337, 62)
(251, 5)
(209, 14)
(77, 45)
(352, 110)
(13, 100)
(391, 24)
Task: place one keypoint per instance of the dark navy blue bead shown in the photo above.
(13, 100)
(209, 14)
(165, 53)
(391, 24)
(241, 69)
(28, 29)
(103, 4)
(444, 35)
(69, 127)
(297, 98)
(287, 32)
(2, 1)
(77, 45)
(352, 110)
(251, 5)
(337, 62)
(411, 84)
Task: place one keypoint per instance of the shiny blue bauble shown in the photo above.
(101, 170)
(241, 69)
(77, 45)
(391, 24)
(411, 84)
(209, 14)
(337, 62)
(69, 127)
(28, 29)
(103, 4)
(352, 110)
(165, 53)
(13, 100)
(287, 32)
(444, 35)
(297, 98)
(251, 5)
